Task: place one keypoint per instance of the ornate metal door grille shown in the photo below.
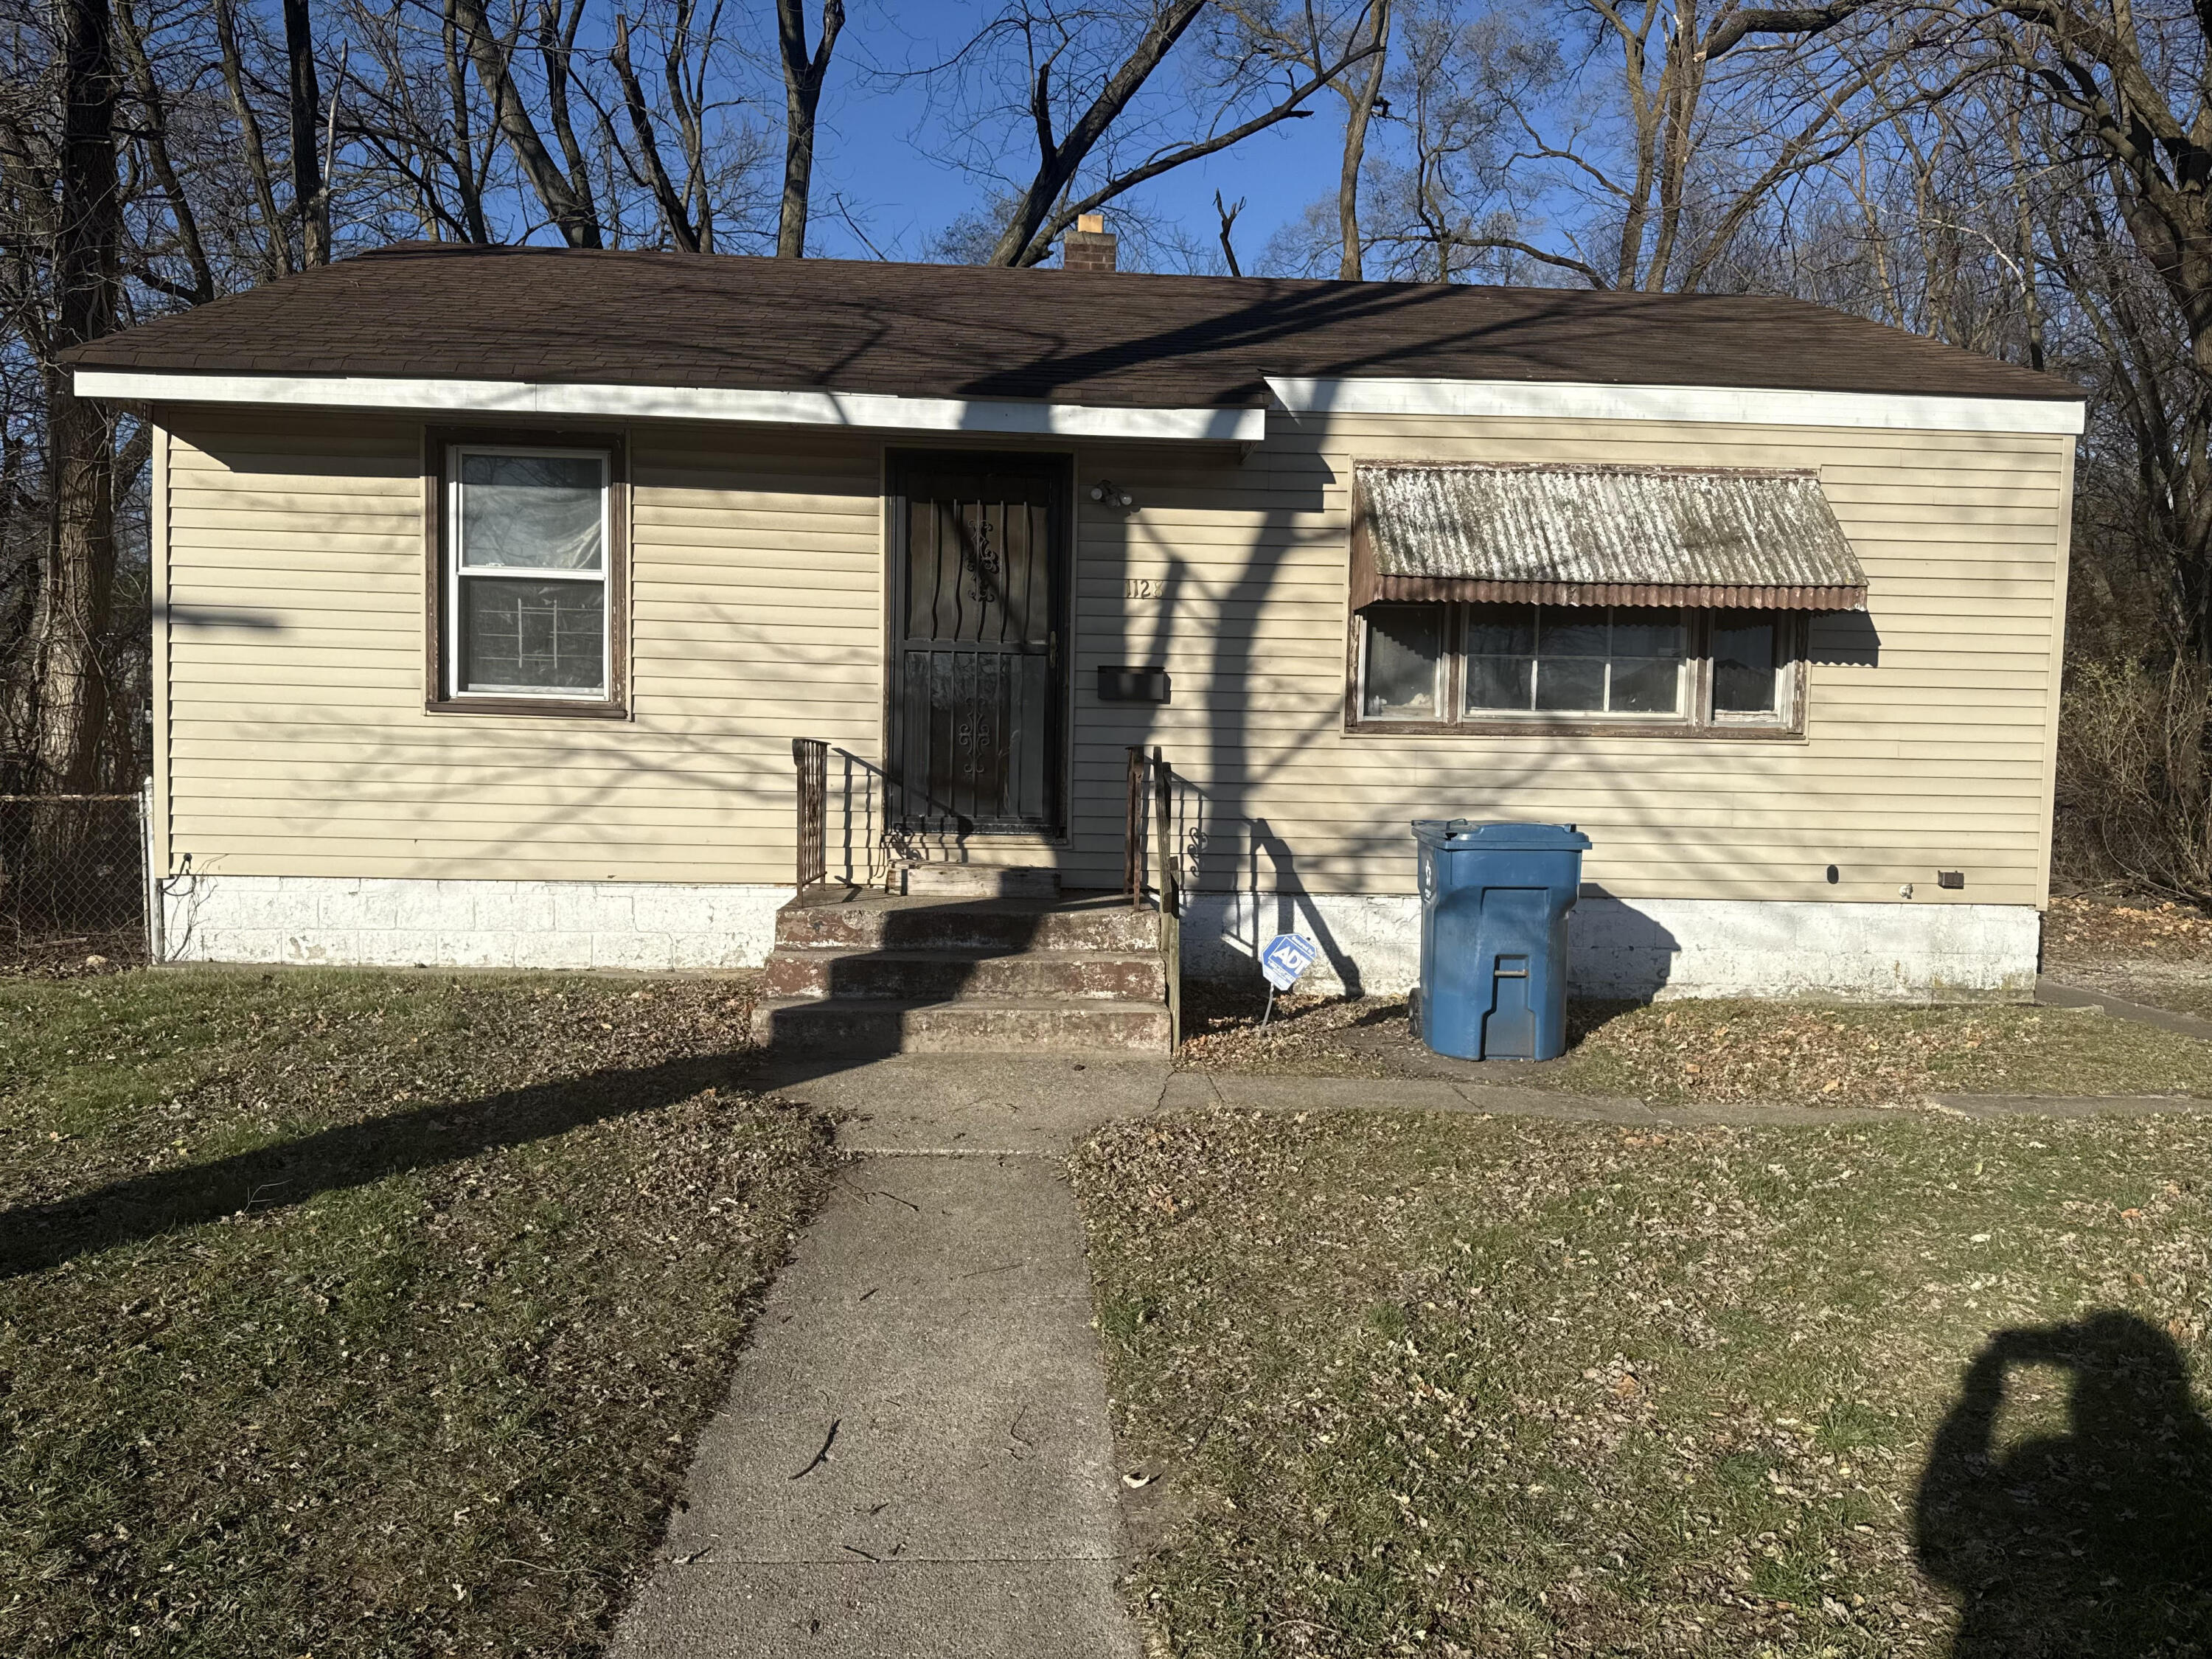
(980, 554)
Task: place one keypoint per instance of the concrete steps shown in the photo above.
(946, 975)
(864, 1029)
(870, 975)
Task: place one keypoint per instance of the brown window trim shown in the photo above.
(1698, 727)
(437, 441)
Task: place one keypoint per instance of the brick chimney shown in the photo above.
(1088, 246)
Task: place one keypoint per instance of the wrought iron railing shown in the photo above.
(810, 757)
(1152, 863)
(1134, 816)
(857, 825)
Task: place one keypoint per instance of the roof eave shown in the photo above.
(526, 399)
(1730, 406)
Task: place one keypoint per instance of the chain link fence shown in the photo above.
(73, 889)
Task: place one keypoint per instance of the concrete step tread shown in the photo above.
(1076, 904)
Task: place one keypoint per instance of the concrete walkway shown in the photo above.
(914, 1458)
(2057, 993)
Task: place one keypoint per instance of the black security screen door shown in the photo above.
(979, 559)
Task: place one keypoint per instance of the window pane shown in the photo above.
(1646, 685)
(1404, 645)
(1744, 678)
(1499, 682)
(1647, 633)
(531, 512)
(1571, 684)
(1572, 631)
(1501, 630)
(532, 636)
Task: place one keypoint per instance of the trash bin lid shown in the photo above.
(1466, 835)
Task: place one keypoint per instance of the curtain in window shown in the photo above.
(531, 512)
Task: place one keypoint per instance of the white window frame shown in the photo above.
(456, 530)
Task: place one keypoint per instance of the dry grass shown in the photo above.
(2089, 928)
(1458, 1386)
(1716, 1051)
(366, 1314)
(2148, 950)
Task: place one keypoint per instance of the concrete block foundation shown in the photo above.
(1657, 948)
(1919, 951)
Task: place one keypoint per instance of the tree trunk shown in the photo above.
(249, 129)
(572, 213)
(66, 686)
(307, 199)
(803, 74)
(1351, 265)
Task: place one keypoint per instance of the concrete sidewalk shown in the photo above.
(914, 1458)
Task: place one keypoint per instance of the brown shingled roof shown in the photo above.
(1110, 338)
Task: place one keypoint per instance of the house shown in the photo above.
(494, 585)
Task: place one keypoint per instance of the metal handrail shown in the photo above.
(1170, 894)
(810, 757)
(881, 808)
(1134, 817)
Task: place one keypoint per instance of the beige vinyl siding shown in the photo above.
(298, 743)
(295, 741)
(1936, 758)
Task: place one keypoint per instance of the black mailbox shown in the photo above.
(1132, 684)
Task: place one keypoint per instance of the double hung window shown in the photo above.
(529, 577)
(1450, 667)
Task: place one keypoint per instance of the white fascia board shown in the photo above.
(1585, 400)
(527, 399)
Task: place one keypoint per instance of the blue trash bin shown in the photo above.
(1494, 903)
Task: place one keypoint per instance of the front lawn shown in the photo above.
(1710, 1051)
(345, 1313)
(1459, 1386)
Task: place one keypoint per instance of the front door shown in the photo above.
(979, 561)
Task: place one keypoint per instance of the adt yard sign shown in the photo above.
(1287, 956)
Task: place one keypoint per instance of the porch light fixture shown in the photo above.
(1107, 490)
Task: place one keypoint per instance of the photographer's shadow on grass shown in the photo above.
(2096, 1541)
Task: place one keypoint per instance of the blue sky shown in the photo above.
(877, 134)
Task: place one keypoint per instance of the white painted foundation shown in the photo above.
(1904, 952)
(382, 921)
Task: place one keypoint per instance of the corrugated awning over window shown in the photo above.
(1599, 535)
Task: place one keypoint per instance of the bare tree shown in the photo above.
(566, 197)
(1228, 225)
(1080, 74)
(62, 683)
(278, 261)
(804, 73)
(1298, 34)
(309, 200)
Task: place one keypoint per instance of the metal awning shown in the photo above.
(1599, 535)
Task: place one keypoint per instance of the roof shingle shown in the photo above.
(1116, 339)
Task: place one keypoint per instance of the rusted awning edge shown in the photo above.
(1441, 590)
